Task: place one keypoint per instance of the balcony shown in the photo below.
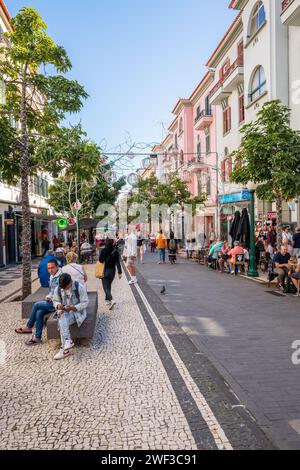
(290, 12)
(196, 165)
(203, 120)
(233, 76)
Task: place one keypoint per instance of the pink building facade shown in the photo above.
(190, 151)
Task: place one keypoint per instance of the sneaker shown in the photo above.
(112, 304)
(62, 354)
(69, 345)
(233, 273)
(132, 282)
(107, 303)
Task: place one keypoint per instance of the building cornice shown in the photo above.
(181, 103)
(226, 42)
(238, 4)
(201, 88)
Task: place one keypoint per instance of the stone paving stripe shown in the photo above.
(214, 427)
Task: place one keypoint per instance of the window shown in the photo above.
(241, 109)
(223, 171)
(207, 106)
(208, 185)
(226, 120)
(207, 143)
(224, 69)
(257, 19)
(199, 151)
(258, 84)
(199, 181)
(180, 125)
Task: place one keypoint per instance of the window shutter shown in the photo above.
(223, 170)
(229, 165)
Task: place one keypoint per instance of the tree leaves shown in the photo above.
(270, 154)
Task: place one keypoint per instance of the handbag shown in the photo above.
(99, 271)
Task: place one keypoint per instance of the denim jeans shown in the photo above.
(65, 322)
(162, 255)
(40, 309)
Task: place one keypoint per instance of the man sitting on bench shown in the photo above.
(70, 301)
(281, 260)
(41, 309)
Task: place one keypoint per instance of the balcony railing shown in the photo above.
(285, 4)
(204, 112)
(239, 62)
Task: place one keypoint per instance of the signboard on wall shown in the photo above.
(236, 197)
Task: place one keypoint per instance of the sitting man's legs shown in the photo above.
(65, 322)
(39, 310)
(282, 274)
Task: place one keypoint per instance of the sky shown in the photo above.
(135, 58)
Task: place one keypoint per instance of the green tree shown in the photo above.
(90, 192)
(175, 192)
(36, 101)
(269, 156)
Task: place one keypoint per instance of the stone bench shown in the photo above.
(86, 331)
(29, 302)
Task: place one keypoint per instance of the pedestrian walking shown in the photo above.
(162, 244)
(110, 256)
(130, 253)
(152, 243)
(140, 247)
(172, 249)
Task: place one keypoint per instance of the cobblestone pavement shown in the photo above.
(112, 395)
(128, 390)
(245, 332)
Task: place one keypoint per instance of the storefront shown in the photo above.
(229, 205)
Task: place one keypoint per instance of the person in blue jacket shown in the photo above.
(43, 272)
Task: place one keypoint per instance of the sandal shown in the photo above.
(22, 331)
(32, 342)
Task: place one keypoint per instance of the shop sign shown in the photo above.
(9, 222)
(62, 223)
(272, 215)
(236, 197)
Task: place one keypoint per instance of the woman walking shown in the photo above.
(111, 257)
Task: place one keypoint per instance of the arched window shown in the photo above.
(258, 18)
(258, 84)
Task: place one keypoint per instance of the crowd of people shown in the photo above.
(63, 274)
(283, 262)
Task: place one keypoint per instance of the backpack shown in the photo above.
(172, 245)
(76, 284)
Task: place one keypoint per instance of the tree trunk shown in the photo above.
(26, 220)
(279, 221)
